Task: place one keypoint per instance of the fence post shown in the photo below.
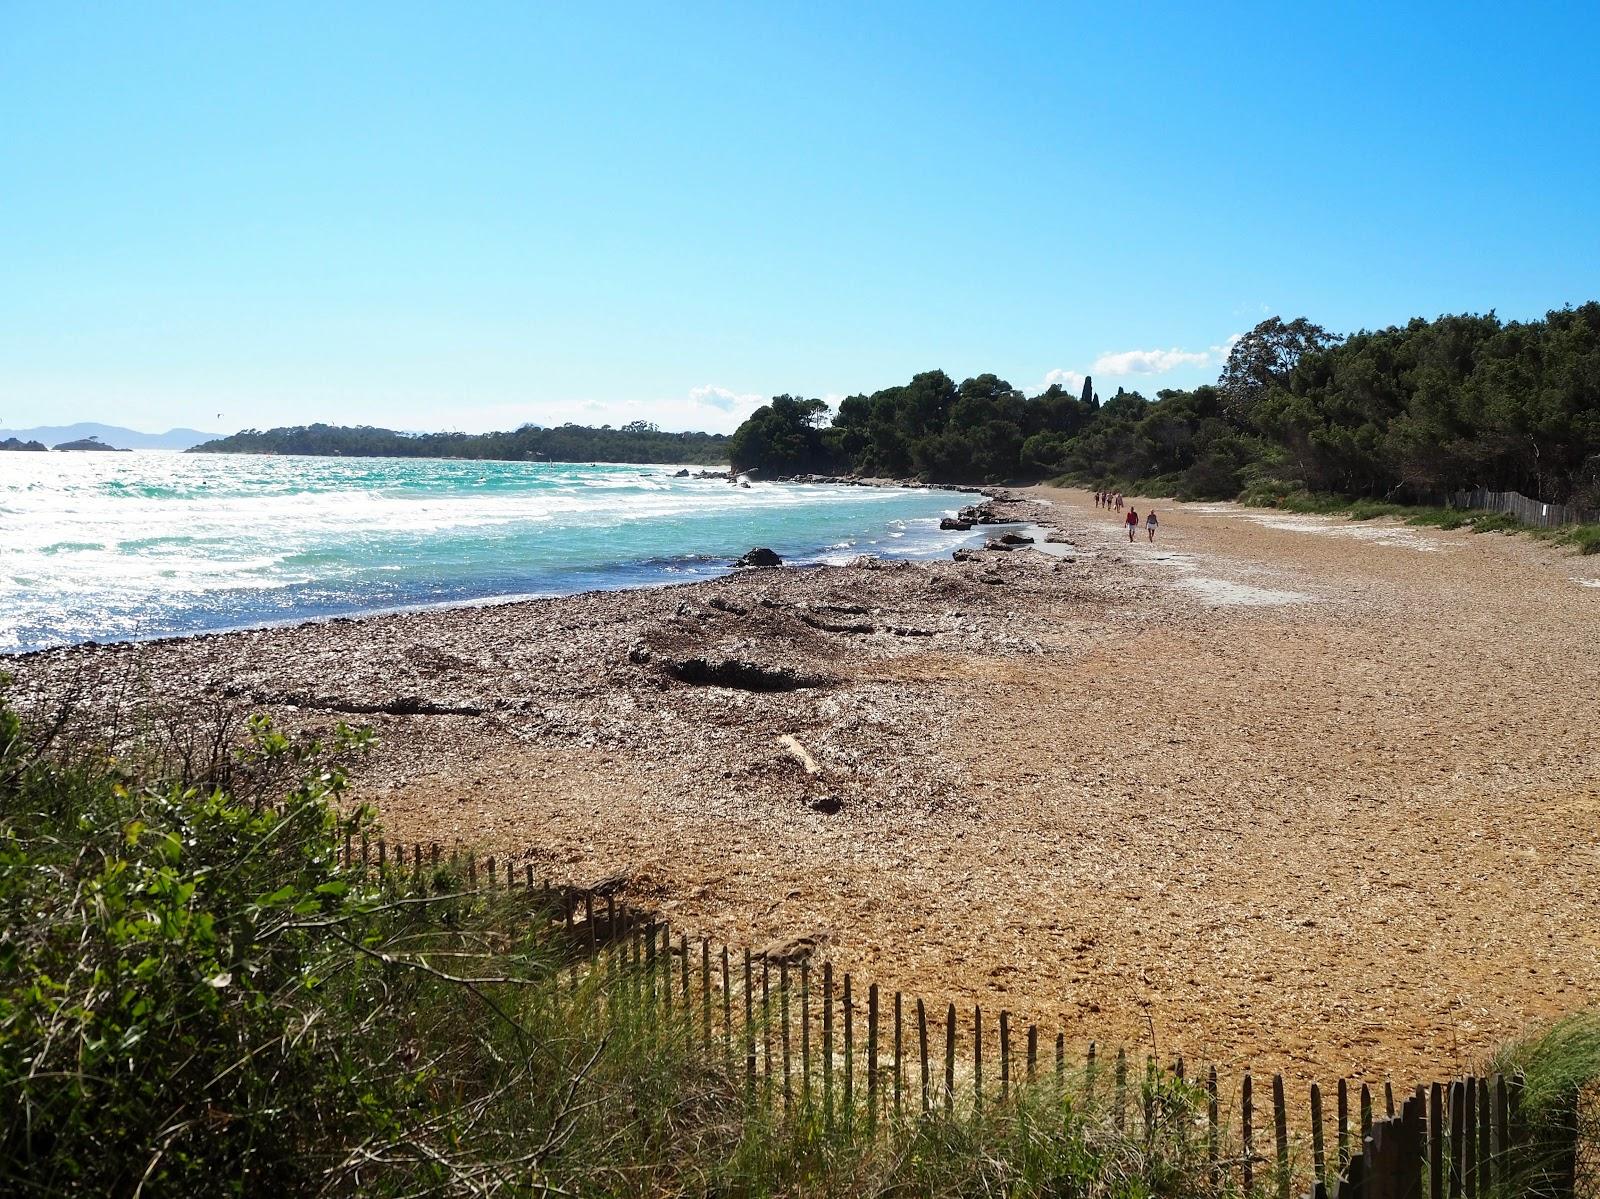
(1280, 1121)
(1005, 1055)
(872, 1055)
(922, 1049)
(1319, 1154)
(898, 1062)
(705, 998)
(1485, 1126)
(783, 1003)
(1246, 1119)
(950, 1061)
(1033, 1053)
(1458, 1147)
(1213, 1133)
(977, 1059)
(766, 1032)
(1342, 1117)
(1436, 1142)
(1502, 1134)
(749, 1032)
(650, 996)
(827, 1044)
(805, 1030)
(1469, 1137)
(727, 1015)
(848, 1094)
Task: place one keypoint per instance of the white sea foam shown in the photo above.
(96, 545)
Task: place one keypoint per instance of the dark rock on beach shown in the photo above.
(760, 556)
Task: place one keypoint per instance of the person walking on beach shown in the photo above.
(1132, 522)
(1119, 501)
(1151, 524)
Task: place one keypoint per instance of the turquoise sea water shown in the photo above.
(114, 546)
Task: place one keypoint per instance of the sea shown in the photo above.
(129, 546)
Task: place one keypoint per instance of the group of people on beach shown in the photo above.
(1112, 500)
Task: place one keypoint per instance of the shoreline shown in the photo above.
(1129, 783)
(629, 575)
(493, 601)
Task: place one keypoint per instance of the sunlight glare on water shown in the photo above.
(99, 546)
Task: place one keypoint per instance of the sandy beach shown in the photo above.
(1315, 795)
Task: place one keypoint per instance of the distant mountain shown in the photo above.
(172, 439)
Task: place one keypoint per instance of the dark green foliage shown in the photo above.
(783, 438)
(1413, 414)
(639, 441)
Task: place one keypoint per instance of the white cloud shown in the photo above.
(1148, 362)
(721, 399)
(1071, 382)
(1220, 353)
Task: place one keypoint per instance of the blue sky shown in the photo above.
(470, 216)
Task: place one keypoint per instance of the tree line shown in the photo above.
(1410, 412)
(639, 441)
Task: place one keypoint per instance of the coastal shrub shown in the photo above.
(1585, 538)
(1560, 1105)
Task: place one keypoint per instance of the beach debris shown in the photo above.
(799, 753)
(741, 675)
(964, 555)
(828, 805)
(791, 951)
(639, 653)
(833, 626)
(760, 556)
(401, 705)
(728, 606)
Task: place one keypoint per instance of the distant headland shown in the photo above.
(639, 441)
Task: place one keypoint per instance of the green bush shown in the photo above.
(1585, 538)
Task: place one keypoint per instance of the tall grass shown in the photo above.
(1560, 1071)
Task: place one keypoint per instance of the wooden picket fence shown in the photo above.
(791, 1034)
(1528, 511)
